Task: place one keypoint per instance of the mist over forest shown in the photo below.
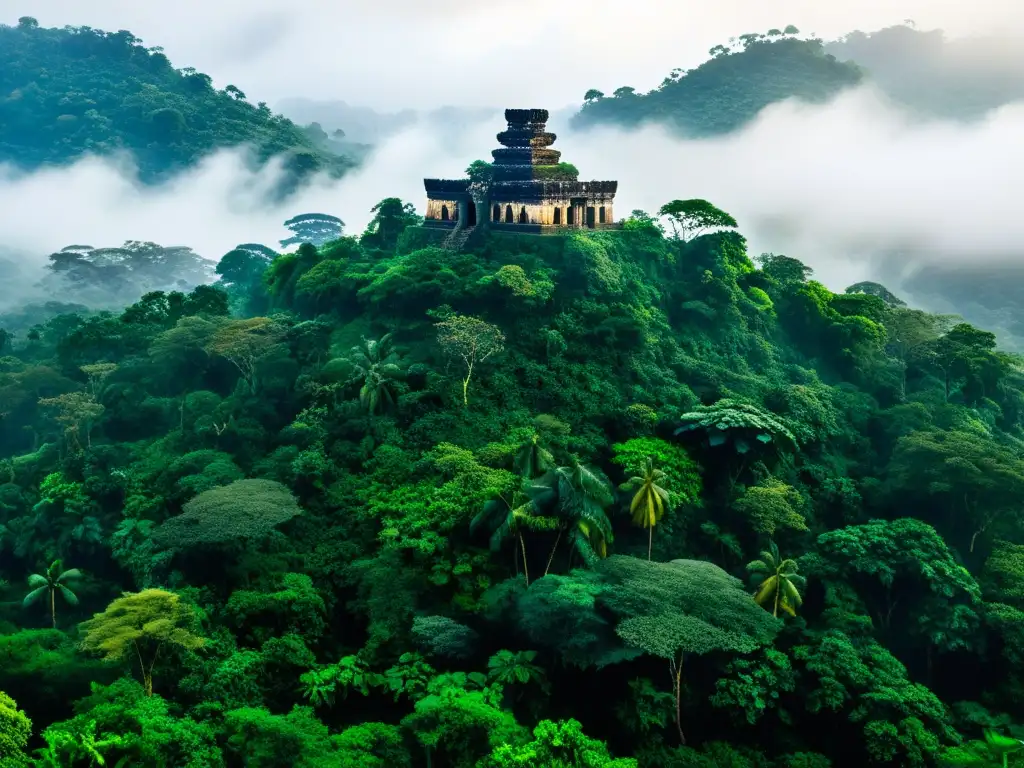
(305, 461)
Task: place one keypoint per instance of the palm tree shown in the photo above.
(777, 581)
(533, 459)
(512, 668)
(50, 583)
(375, 367)
(510, 518)
(577, 495)
(649, 501)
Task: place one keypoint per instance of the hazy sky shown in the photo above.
(396, 53)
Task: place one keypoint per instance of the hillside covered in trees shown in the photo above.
(65, 93)
(924, 71)
(728, 90)
(603, 500)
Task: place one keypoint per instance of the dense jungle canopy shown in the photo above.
(542, 502)
(601, 500)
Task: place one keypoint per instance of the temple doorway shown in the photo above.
(470, 214)
(444, 213)
(590, 216)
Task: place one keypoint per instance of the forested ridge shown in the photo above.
(919, 70)
(728, 90)
(608, 499)
(75, 91)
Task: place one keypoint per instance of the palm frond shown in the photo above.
(34, 595)
(37, 580)
(766, 591)
(790, 594)
(70, 596)
(70, 575)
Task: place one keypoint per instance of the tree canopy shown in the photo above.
(106, 92)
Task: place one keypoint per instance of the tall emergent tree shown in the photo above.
(669, 610)
(244, 509)
(650, 500)
(470, 340)
(777, 581)
(313, 228)
(375, 366)
(245, 343)
(140, 625)
(49, 583)
(690, 218)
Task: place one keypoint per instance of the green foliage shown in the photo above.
(144, 621)
(121, 724)
(684, 605)
(15, 729)
(730, 89)
(55, 581)
(772, 505)
(907, 549)
(751, 687)
(558, 745)
(244, 509)
(258, 738)
(777, 582)
(557, 172)
(691, 218)
(742, 426)
(105, 92)
(682, 474)
(444, 637)
(901, 720)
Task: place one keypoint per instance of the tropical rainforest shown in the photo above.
(604, 500)
(608, 499)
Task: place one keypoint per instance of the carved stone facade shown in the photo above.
(521, 196)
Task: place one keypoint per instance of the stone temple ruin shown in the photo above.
(526, 191)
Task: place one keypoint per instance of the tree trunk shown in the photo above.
(676, 670)
(650, 542)
(522, 548)
(53, 607)
(778, 589)
(147, 679)
(552, 555)
(465, 392)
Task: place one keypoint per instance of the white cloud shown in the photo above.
(833, 185)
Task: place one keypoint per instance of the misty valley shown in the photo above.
(511, 436)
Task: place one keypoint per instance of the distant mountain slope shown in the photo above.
(728, 90)
(935, 75)
(922, 70)
(68, 92)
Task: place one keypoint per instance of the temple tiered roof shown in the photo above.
(528, 189)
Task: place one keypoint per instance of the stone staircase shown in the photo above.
(457, 239)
